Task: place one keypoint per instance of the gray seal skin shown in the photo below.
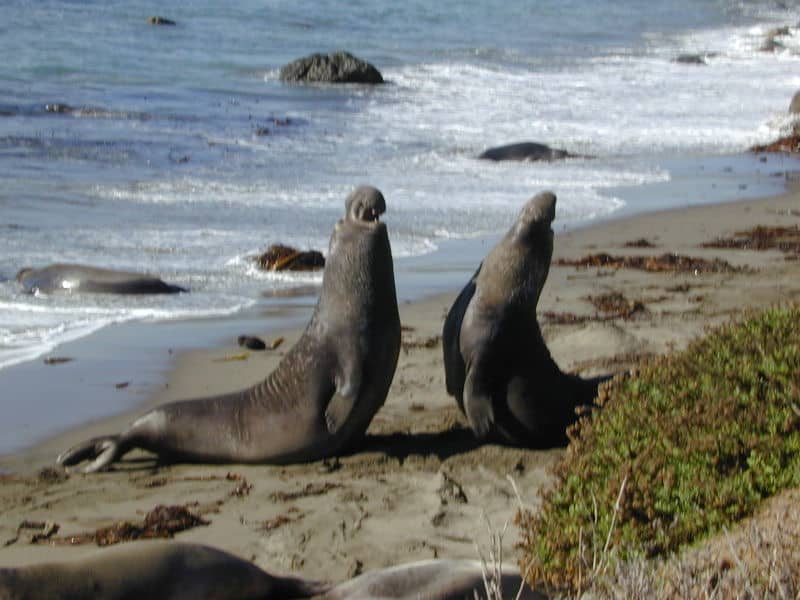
(323, 394)
(525, 151)
(69, 278)
(497, 364)
(152, 569)
(431, 580)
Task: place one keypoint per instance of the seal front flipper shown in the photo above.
(343, 401)
(478, 404)
(339, 409)
(102, 451)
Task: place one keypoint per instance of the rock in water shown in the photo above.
(336, 67)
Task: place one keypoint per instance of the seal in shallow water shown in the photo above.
(63, 277)
(324, 392)
(525, 151)
(152, 569)
(496, 362)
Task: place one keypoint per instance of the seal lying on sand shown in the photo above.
(152, 569)
(496, 363)
(62, 277)
(324, 392)
(431, 579)
(526, 151)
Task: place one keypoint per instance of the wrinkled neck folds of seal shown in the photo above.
(359, 246)
(522, 258)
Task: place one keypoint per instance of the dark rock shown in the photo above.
(160, 21)
(337, 67)
(285, 258)
(525, 151)
(251, 342)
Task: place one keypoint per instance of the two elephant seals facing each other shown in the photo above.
(63, 277)
(152, 569)
(322, 395)
(496, 363)
(176, 571)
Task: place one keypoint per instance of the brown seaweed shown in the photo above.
(761, 237)
(665, 263)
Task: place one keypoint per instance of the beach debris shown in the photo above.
(51, 475)
(640, 243)
(761, 237)
(617, 362)
(161, 522)
(160, 21)
(233, 357)
(251, 342)
(616, 305)
(36, 531)
(666, 263)
(281, 520)
(681, 288)
(279, 257)
(564, 318)
(311, 489)
(57, 360)
(427, 342)
(329, 465)
(336, 67)
(613, 305)
(274, 344)
(450, 490)
(242, 488)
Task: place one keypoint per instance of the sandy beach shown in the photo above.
(419, 486)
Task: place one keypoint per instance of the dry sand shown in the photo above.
(418, 487)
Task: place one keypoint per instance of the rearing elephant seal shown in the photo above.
(152, 569)
(64, 277)
(324, 392)
(496, 363)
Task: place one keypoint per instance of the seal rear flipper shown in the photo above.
(102, 451)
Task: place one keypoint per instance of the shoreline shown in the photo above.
(418, 487)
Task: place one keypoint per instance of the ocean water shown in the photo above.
(161, 166)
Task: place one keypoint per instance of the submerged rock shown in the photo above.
(336, 67)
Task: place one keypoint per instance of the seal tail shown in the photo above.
(102, 451)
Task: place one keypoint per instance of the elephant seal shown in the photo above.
(322, 395)
(152, 569)
(64, 277)
(525, 151)
(496, 362)
(433, 580)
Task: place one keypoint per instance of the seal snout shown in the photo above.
(541, 208)
(365, 204)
